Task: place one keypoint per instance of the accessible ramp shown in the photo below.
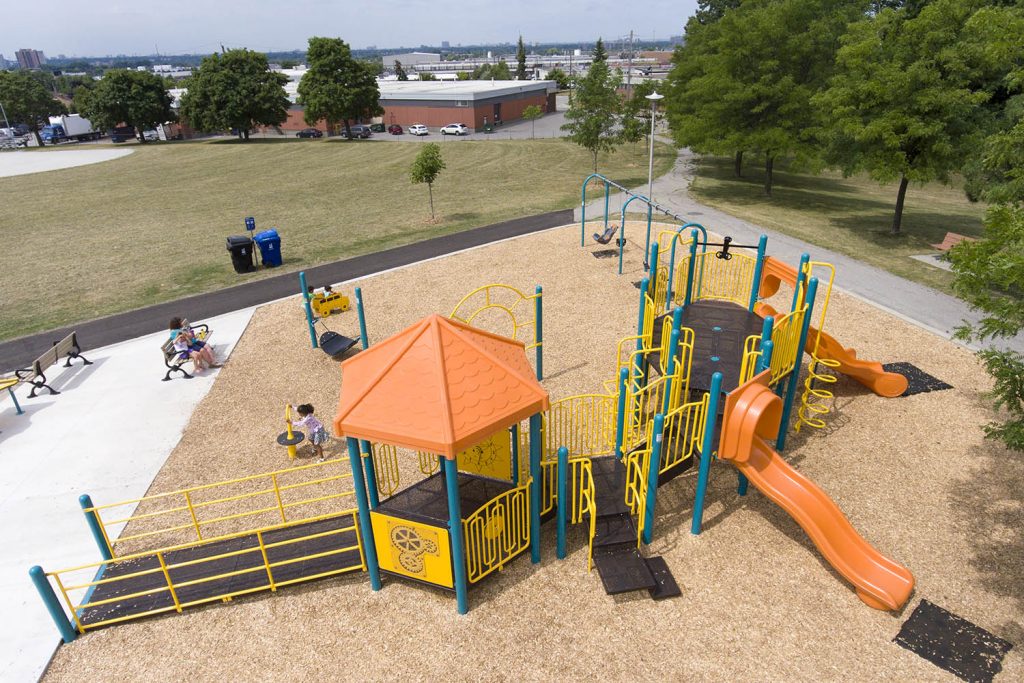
(752, 414)
(868, 372)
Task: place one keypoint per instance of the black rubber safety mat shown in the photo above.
(918, 381)
(666, 583)
(605, 253)
(952, 643)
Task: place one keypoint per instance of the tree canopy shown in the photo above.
(26, 101)
(400, 71)
(136, 98)
(235, 90)
(425, 169)
(559, 77)
(498, 72)
(337, 87)
(593, 113)
(520, 60)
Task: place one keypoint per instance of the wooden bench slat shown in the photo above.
(951, 240)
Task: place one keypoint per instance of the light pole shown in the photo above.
(6, 122)
(654, 97)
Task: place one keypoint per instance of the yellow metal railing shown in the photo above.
(497, 532)
(385, 467)
(751, 357)
(586, 504)
(716, 279)
(429, 462)
(584, 424)
(214, 511)
(816, 400)
(504, 300)
(683, 430)
(192, 574)
(786, 351)
(637, 468)
(643, 403)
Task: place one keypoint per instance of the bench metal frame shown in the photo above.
(172, 358)
(35, 374)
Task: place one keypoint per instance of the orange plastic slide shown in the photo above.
(752, 414)
(868, 372)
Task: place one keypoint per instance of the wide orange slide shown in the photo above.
(752, 414)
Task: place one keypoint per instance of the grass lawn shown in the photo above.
(95, 240)
(849, 215)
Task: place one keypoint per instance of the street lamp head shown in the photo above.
(654, 97)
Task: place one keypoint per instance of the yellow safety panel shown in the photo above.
(417, 550)
(492, 457)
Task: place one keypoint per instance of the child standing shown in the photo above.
(318, 436)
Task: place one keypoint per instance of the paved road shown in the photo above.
(20, 162)
(916, 303)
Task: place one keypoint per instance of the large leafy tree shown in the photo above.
(26, 101)
(520, 60)
(337, 88)
(593, 113)
(901, 105)
(136, 98)
(235, 90)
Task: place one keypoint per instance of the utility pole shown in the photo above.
(629, 69)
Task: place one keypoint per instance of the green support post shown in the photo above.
(794, 378)
(535, 487)
(688, 299)
(366, 453)
(563, 500)
(363, 340)
(309, 310)
(620, 417)
(46, 592)
(451, 480)
(93, 520)
(706, 448)
(14, 398)
(538, 330)
(762, 246)
(653, 469)
(366, 529)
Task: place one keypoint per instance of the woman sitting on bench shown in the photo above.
(185, 343)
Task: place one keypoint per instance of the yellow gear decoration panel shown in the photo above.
(413, 549)
(492, 457)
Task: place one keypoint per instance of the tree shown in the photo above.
(135, 98)
(425, 169)
(559, 77)
(531, 114)
(400, 72)
(901, 105)
(593, 112)
(26, 100)
(635, 123)
(235, 90)
(337, 88)
(520, 60)
(427, 76)
(600, 54)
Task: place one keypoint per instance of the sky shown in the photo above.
(107, 27)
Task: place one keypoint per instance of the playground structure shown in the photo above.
(330, 342)
(290, 437)
(709, 362)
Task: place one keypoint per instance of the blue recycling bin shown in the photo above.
(270, 247)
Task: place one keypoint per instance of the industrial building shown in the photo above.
(410, 59)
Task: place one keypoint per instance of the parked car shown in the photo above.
(395, 129)
(455, 129)
(150, 135)
(22, 129)
(309, 133)
(418, 129)
(122, 134)
(377, 127)
(360, 131)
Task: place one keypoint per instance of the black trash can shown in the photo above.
(270, 247)
(240, 247)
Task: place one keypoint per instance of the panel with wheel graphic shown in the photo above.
(413, 549)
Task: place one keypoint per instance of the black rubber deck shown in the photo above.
(18, 353)
(427, 500)
(609, 485)
(736, 323)
(622, 570)
(666, 586)
(240, 582)
(918, 381)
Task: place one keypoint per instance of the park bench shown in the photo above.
(951, 240)
(174, 360)
(35, 374)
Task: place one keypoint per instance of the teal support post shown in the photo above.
(607, 194)
(563, 500)
(639, 369)
(707, 446)
(451, 480)
(366, 453)
(688, 299)
(363, 340)
(794, 376)
(535, 488)
(652, 260)
(14, 398)
(46, 592)
(365, 528)
(309, 310)
(85, 501)
(755, 286)
(653, 469)
(538, 331)
(514, 435)
(647, 244)
(800, 277)
(620, 416)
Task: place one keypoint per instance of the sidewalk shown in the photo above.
(920, 305)
(107, 434)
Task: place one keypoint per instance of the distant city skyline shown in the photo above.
(116, 28)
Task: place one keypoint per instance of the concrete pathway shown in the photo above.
(920, 305)
(20, 162)
(107, 434)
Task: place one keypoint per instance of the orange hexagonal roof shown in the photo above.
(440, 386)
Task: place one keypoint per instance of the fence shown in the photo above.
(715, 278)
(497, 532)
